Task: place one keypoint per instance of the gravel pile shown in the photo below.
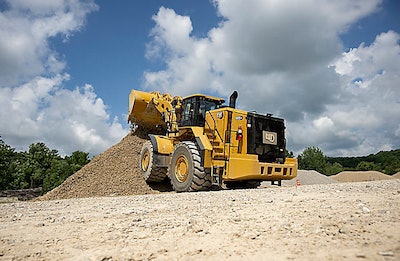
(308, 177)
(359, 176)
(112, 173)
(397, 175)
(115, 173)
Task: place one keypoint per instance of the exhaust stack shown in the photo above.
(232, 99)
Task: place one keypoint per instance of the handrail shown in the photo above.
(214, 128)
(219, 135)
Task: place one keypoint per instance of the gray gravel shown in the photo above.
(305, 177)
(342, 221)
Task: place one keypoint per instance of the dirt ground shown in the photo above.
(358, 176)
(352, 221)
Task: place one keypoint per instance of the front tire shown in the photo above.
(186, 172)
(150, 172)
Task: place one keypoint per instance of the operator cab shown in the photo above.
(194, 108)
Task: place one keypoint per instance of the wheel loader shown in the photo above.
(199, 143)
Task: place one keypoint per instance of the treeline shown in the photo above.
(37, 167)
(387, 162)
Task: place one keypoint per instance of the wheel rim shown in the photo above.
(145, 161)
(181, 169)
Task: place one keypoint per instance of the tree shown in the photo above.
(386, 161)
(312, 158)
(78, 159)
(365, 165)
(40, 158)
(332, 169)
(393, 168)
(19, 170)
(7, 155)
(59, 171)
(289, 154)
(39, 167)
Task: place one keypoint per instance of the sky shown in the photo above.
(331, 69)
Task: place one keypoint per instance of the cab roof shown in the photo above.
(207, 97)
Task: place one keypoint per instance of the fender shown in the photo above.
(161, 144)
(162, 148)
(204, 145)
(201, 138)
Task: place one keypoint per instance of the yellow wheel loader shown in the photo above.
(199, 143)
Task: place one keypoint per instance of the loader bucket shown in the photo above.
(146, 108)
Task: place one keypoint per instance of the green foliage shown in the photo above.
(365, 165)
(289, 154)
(77, 159)
(40, 159)
(387, 162)
(56, 174)
(7, 155)
(312, 158)
(38, 167)
(333, 169)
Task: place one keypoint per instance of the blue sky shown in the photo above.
(330, 68)
(115, 37)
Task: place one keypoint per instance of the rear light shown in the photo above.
(239, 134)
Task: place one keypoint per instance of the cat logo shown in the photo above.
(270, 138)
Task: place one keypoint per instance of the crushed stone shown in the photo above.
(111, 173)
(308, 177)
(360, 176)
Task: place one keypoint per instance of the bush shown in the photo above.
(38, 167)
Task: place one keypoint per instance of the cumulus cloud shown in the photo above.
(42, 110)
(287, 58)
(371, 99)
(365, 117)
(35, 104)
(26, 26)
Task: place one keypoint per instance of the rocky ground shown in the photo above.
(106, 211)
(353, 221)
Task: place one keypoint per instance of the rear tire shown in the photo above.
(186, 172)
(150, 172)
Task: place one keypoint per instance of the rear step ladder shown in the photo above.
(216, 176)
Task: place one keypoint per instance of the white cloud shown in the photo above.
(323, 123)
(175, 37)
(42, 110)
(365, 117)
(35, 105)
(285, 57)
(26, 27)
(371, 99)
